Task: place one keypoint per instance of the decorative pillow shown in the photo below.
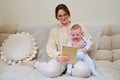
(18, 47)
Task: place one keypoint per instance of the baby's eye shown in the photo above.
(73, 35)
(78, 34)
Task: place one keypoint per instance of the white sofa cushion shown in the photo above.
(116, 64)
(18, 47)
(115, 29)
(105, 43)
(116, 54)
(104, 55)
(115, 41)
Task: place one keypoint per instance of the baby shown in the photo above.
(75, 40)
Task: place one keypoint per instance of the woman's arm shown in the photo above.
(52, 48)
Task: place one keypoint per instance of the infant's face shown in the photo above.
(76, 35)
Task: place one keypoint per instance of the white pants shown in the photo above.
(50, 69)
(54, 69)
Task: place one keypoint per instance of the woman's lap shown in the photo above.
(51, 69)
(54, 68)
(81, 69)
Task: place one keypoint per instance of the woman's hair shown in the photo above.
(63, 7)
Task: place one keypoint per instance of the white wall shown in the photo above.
(42, 11)
(1, 12)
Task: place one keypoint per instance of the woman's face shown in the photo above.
(63, 17)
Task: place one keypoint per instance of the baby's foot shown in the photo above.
(69, 70)
(96, 74)
(68, 74)
(29, 63)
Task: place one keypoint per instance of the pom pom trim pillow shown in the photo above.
(18, 47)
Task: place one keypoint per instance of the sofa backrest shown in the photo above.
(6, 30)
(95, 30)
(109, 47)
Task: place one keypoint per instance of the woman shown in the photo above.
(58, 37)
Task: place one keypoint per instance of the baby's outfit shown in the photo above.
(82, 56)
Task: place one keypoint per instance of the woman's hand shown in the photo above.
(63, 59)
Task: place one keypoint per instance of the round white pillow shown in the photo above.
(18, 47)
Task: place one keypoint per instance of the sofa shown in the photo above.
(108, 51)
(105, 55)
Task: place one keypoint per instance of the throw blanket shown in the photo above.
(21, 72)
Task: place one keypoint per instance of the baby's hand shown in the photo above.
(79, 45)
(84, 50)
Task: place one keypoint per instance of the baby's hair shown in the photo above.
(76, 26)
